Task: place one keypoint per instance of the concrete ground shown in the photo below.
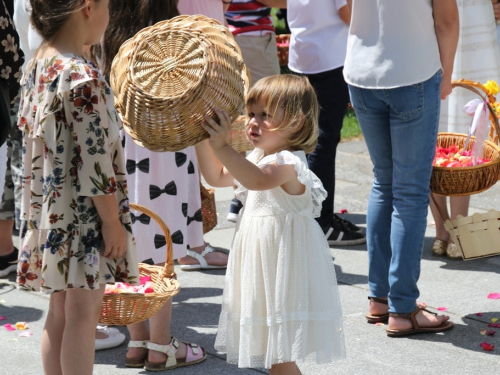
(461, 287)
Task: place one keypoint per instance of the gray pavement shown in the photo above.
(460, 286)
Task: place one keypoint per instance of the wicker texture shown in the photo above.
(469, 180)
(168, 76)
(208, 209)
(129, 308)
(238, 138)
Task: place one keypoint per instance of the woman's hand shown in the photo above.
(115, 239)
(218, 132)
(445, 88)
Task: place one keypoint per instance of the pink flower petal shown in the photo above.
(3, 317)
(494, 296)
(442, 308)
(26, 334)
(9, 327)
(379, 324)
(479, 314)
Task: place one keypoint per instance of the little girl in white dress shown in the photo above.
(281, 302)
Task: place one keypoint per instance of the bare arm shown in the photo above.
(496, 10)
(274, 3)
(115, 240)
(345, 14)
(446, 23)
(220, 163)
(225, 5)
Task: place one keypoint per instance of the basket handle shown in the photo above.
(168, 270)
(477, 87)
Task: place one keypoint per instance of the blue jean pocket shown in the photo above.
(406, 102)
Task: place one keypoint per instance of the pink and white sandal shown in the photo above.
(195, 354)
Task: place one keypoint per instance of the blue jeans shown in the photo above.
(400, 129)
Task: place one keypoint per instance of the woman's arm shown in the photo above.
(345, 14)
(274, 3)
(446, 23)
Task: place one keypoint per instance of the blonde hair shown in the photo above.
(295, 95)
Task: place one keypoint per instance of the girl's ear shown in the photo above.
(87, 8)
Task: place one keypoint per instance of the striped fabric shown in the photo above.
(245, 16)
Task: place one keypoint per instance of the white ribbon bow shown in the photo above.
(479, 126)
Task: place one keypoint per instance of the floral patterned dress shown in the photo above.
(71, 153)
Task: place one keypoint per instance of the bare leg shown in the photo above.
(52, 335)
(6, 244)
(289, 368)
(441, 232)
(82, 315)
(459, 206)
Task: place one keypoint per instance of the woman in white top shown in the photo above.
(477, 59)
(398, 66)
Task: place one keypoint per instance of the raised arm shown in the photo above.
(220, 163)
(446, 23)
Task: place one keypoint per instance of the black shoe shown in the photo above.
(8, 263)
(338, 235)
(234, 210)
(346, 223)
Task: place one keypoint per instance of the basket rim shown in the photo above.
(488, 164)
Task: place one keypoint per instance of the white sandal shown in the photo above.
(202, 263)
(194, 354)
(137, 362)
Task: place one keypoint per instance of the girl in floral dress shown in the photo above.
(76, 222)
(281, 302)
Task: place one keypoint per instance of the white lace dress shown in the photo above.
(281, 301)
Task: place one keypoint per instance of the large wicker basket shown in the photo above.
(208, 208)
(168, 76)
(469, 180)
(238, 138)
(129, 308)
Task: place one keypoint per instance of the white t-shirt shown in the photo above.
(392, 43)
(319, 37)
(29, 39)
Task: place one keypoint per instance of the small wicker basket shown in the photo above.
(208, 208)
(128, 308)
(168, 76)
(469, 180)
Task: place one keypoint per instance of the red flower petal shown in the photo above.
(479, 314)
(343, 210)
(491, 333)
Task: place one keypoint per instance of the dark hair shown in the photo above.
(48, 16)
(127, 18)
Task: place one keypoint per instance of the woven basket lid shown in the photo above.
(168, 76)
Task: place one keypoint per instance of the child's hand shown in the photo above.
(218, 132)
(115, 239)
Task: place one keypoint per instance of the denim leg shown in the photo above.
(413, 138)
(333, 98)
(373, 117)
(400, 129)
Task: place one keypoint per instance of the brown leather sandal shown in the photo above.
(382, 318)
(137, 362)
(445, 326)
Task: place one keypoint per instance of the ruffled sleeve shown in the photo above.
(304, 175)
(74, 97)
